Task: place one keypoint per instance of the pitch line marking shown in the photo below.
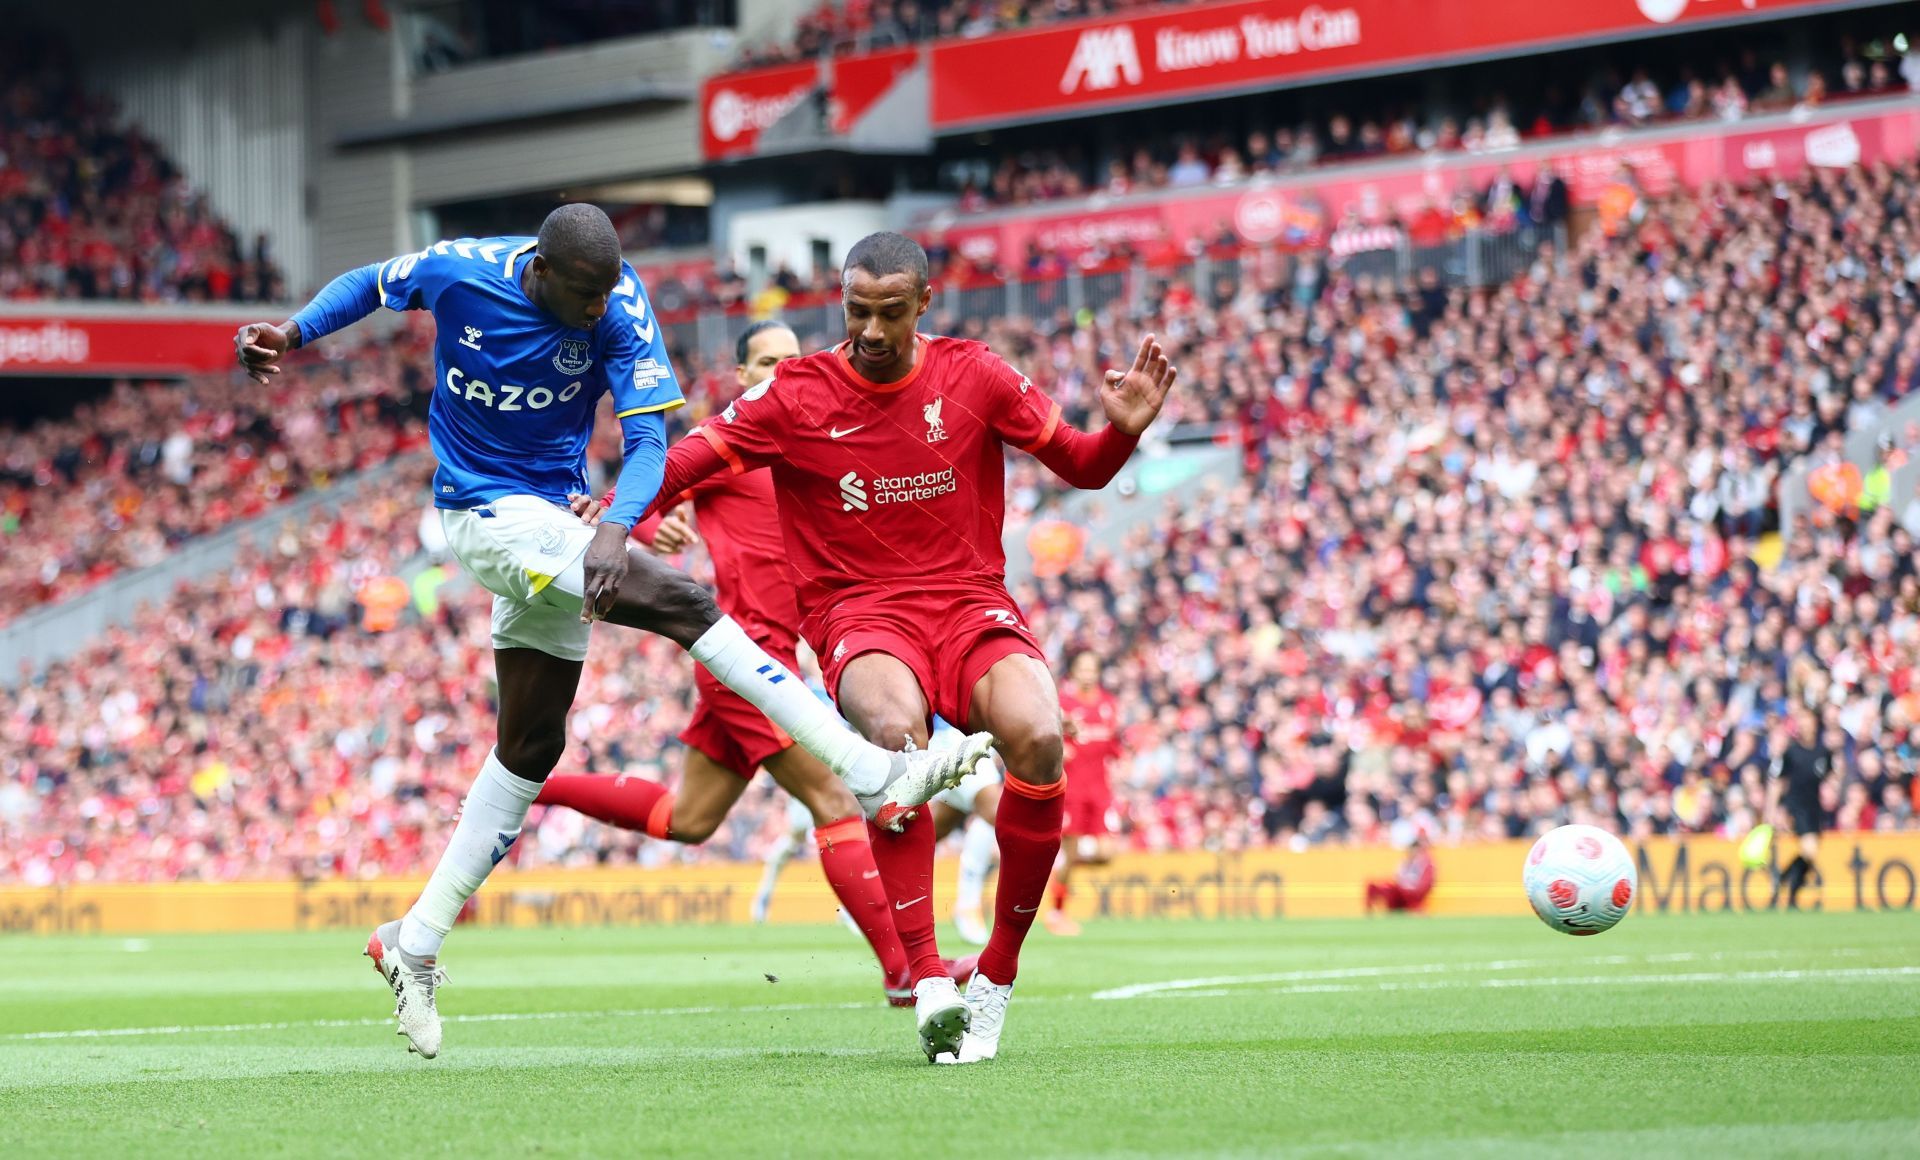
(1311, 982)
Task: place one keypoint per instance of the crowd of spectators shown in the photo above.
(842, 26)
(92, 208)
(1632, 99)
(1499, 559)
(123, 481)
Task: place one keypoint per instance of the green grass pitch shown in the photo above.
(1696, 1036)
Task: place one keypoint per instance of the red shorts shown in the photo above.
(1087, 799)
(948, 638)
(726, 726)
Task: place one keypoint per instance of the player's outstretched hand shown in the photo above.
(1133, 398)
(587, 508)
(674, 533)
(606, 569)
(259, 347)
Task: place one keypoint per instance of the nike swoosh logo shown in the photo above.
(835, 432)
(871, 874)
(909, 902)
(1025, 909)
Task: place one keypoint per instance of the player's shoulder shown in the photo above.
(455, 260)
(971, 360)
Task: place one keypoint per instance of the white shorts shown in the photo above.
(961, 797)
(530, 554)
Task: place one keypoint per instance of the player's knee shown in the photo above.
(891, 726)
(532, 755)
(1033, 751)
(829, 800)
(693, 830)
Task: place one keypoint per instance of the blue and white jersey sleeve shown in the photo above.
(415, 281)
(640, 376)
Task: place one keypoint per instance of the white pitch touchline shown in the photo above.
(498, 1017)
(1838, 975)
(1136, 990)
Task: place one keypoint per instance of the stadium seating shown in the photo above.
(1501, 560)
(128, 479)
(90, 208)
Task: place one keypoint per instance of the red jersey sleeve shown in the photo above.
(1023, 416)
(746, 435)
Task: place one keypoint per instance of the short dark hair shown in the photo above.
(580, 234)
(747, 336)
(887, 253)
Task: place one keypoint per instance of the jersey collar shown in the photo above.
(865, 383)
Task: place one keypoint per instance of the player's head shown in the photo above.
(1085, 669)
(575, 265)
(762, 347)
(883, 291)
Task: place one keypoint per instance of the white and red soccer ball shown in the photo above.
(1580, 879)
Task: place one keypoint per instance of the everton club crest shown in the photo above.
(573, 357)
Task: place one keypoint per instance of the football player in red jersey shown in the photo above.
(886, 453)
(1092, 719)
(728, 739)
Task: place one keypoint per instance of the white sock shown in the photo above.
(489, 825)
(777, 858)
(978, 848)
(745, 667)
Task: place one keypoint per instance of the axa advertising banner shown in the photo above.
(1193, 50)
(1868, 872)
(1300, 211)
(136, 341)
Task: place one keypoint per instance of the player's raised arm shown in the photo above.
(1132, 400)
(340, 303)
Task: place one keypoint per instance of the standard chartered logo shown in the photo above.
(853, 493)
(857, 495)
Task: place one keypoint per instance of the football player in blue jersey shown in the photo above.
(532, 331)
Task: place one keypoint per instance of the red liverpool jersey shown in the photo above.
(1093, 735)
(887, 486)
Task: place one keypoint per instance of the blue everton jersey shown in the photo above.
(515, 389)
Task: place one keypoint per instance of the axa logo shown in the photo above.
(853, 493)
(1103, 59)
(936, 429)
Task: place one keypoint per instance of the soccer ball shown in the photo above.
(1580, 879)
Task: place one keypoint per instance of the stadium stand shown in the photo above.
(1502, 559)
(130, 478)
(92, 209)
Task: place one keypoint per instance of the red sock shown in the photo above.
(1059, 894)
(847, 857)
(1029, 829)
(632, 803)
(905, 861)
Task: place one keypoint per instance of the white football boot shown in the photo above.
(988, 1001)
(413, 979)
(942, 1015)
(971, 924)
(919, 775)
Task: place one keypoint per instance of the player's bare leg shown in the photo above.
(979, 850)
(883, 699)
(659, 599)
(536, 691)
(782, 852)
(1075, 850)
(1017, 695)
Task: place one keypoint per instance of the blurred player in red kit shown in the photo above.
(1092, 727)
(1411, 883)
(728, 739)
(886, 453)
